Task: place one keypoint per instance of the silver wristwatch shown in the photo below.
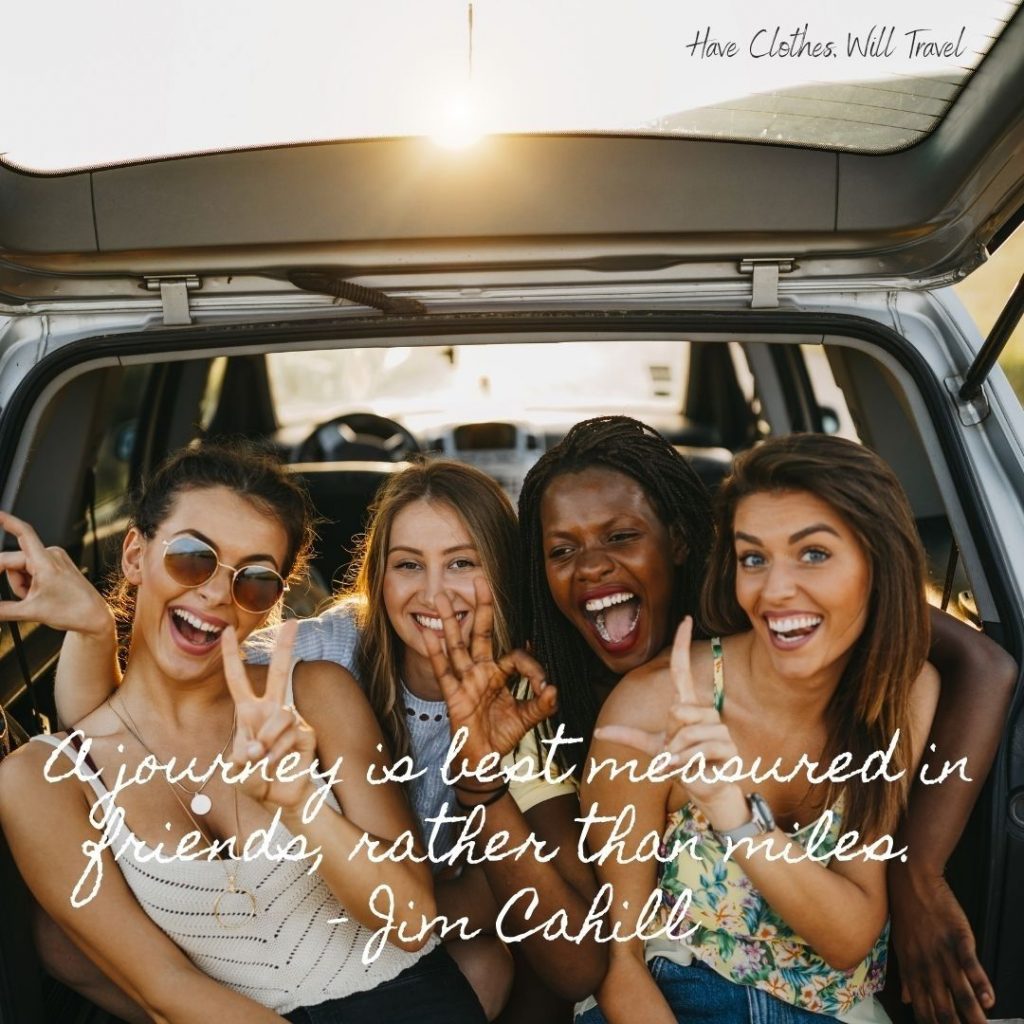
(761, 821)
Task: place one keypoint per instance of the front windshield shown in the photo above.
(132, 83)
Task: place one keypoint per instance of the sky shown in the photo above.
(107, 80)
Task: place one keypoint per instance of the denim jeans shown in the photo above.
(700, 993)
(432, 991)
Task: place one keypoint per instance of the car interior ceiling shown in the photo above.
(57, 489)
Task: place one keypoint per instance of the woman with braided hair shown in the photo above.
(615, 527)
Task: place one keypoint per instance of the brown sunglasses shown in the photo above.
(192, 562)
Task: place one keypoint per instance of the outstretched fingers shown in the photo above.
(680, 663)
(440, 665)
(481, 640)
(19, 565)
(538, 709)
(517, 663)
(246, 747)
(458, 653)
(28, 539)
(237, 678)
(15, 565)
(280, 668)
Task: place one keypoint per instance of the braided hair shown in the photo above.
(681, 501)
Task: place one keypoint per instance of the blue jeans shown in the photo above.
(700, 993)
(432, 991)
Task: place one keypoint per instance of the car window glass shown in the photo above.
(826, 75)
(211, 396)
(985, 292)
(835, 415)
(117, 449)
(423, 386)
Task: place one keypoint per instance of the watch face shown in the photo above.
(761, 812)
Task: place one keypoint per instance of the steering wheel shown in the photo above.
(358, 437)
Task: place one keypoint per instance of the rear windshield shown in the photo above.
(133, 82)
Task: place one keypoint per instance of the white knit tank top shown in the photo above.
(285, 957)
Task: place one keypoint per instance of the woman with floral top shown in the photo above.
(816, 580)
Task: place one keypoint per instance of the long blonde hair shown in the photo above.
(488, 516)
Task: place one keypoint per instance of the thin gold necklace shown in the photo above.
(232, 888)
(231, 874)
(199, 802)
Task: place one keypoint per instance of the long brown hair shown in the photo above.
(872, 700)
(487, 514)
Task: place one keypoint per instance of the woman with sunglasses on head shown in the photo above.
(251, 934)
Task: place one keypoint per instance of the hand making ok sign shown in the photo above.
(49, 587)
(476, 686)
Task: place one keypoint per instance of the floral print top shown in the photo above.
(738, 934)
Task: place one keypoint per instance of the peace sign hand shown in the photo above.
(475, 686)
(693, 727)
(267, 728)
(49, 586)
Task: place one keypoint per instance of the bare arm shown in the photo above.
(636, 704)
(46, 825)
(933, 940)
(87, 670)
(978, 679)
(564, 886)
(804, 893)
(50, 589)
(467, 895)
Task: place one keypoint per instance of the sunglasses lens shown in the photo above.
(257, 588)
(189, 561)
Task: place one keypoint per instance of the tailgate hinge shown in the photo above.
(766, 280)
(174, 296)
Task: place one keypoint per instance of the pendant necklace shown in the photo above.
(199, 802)
(231, 888)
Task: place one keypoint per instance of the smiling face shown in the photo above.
(804, 581)
(429, 551)
(610, 563)
(180, 626)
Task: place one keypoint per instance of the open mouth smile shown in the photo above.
(433, 622)
(197, 634)
(790, 631)
(614, 617)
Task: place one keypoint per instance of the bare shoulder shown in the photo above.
(641, 697)
(33, 777)
(334, 704)
(326, 685)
